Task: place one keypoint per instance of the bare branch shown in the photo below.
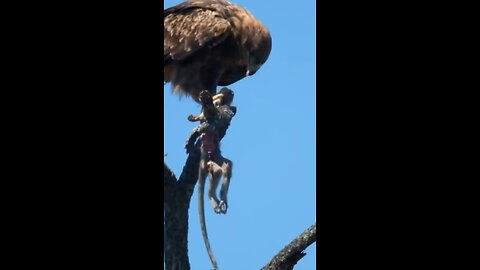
(293, 252)
(169, 181)
(176, 204)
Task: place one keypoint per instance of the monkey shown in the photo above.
(215, 119)
(218, 105)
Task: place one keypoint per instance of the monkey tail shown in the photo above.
(201, 209)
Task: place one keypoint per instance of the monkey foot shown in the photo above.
(222, 206)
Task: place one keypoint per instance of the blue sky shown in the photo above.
(271, 141)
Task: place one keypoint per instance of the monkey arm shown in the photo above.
(196, 118)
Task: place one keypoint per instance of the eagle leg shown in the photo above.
(208, 108)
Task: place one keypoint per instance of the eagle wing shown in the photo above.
(191, 26)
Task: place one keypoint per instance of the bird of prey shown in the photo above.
(210, 43)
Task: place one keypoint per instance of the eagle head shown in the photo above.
(259, 49)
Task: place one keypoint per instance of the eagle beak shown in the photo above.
(252, 70)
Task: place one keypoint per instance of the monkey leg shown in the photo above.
(227, 166)
(215, 172)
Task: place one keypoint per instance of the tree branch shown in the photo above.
(176, 205)
(293, 252)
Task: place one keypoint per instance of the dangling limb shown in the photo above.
(227, 166)
(215, 172)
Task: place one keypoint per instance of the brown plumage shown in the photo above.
(210, 43)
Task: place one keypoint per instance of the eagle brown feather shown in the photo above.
(210, 43)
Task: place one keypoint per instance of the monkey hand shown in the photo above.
(192, 118)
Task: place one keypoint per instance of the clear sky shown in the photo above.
(271, 141)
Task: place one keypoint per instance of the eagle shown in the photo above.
(210, 43)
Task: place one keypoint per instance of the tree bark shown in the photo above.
(177, 196)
